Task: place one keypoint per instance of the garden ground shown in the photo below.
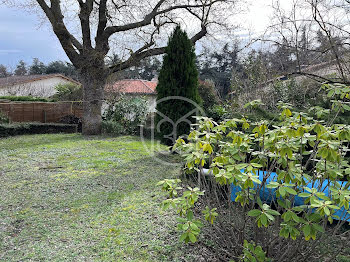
(69, 198)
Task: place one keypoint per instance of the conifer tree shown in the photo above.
(178, 77)
(21, 68)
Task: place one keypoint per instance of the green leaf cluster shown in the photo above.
(294, 152)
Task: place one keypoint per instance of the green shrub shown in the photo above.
(127, 113)
(300, 93)
(218, 112)
(26, 98)
(72, 119)
(3, 118)
(35, 128)
(243, 157)
(112, 127)
(251, 253)
(207, 92)
(68, 92)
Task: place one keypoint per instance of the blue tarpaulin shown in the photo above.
(268, 195)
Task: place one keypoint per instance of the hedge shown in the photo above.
(26, 98)
(35, 128)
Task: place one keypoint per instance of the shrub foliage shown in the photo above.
(124, 114)
(26, 98)
(68, 92)
(35, 128)
(3, 118)
(266, 169)
(208, 94)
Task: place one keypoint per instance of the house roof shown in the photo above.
(320, 66)
(15, 80)
(133, 86)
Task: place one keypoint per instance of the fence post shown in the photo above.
(44, 114)
(23, 119)
(10, 113)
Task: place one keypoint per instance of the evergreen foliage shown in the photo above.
(218, 66)
(178, 77)
(208, 94)
(37, 67)
(21, 68)
(61, 67)
(3, 71)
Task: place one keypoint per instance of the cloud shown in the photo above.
(9, 51)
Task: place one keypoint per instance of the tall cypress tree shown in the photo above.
(178, 77)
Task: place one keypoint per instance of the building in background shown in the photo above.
(33, 85)
(135, 87)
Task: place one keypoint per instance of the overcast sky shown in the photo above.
(21, 36)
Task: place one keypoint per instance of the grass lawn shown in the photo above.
(69, 198)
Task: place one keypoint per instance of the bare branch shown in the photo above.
(84, 16)
(102, 22)
(155, 12)
(136, 57)
(68, 41)
(319, 19)
(318, 78)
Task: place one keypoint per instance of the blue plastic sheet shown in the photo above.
(268, 195)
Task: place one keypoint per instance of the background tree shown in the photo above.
(64, 68)
(208, 94)
(106, 22)
(178, 77)
(37, 67)
(309, 32)
(251, 72)
(147, 69)
(21, 68)
(3, 71)
(282, 58)
(218, 65)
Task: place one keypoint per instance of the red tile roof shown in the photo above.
(133, 86)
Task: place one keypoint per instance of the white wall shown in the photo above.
(41, 88)
(152, 102)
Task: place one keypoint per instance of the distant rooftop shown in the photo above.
(16, 80)
(133, 86)
(306, 69)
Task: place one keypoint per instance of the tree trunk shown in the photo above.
(94, 80)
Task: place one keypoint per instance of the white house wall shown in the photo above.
(38, 88)
(152, 103)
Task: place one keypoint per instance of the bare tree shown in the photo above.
(312, 32)
(88, 29)
(21, 68)
(330, 28)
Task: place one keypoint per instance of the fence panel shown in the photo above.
(40, 111)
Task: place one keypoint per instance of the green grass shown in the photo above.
(69, 198)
